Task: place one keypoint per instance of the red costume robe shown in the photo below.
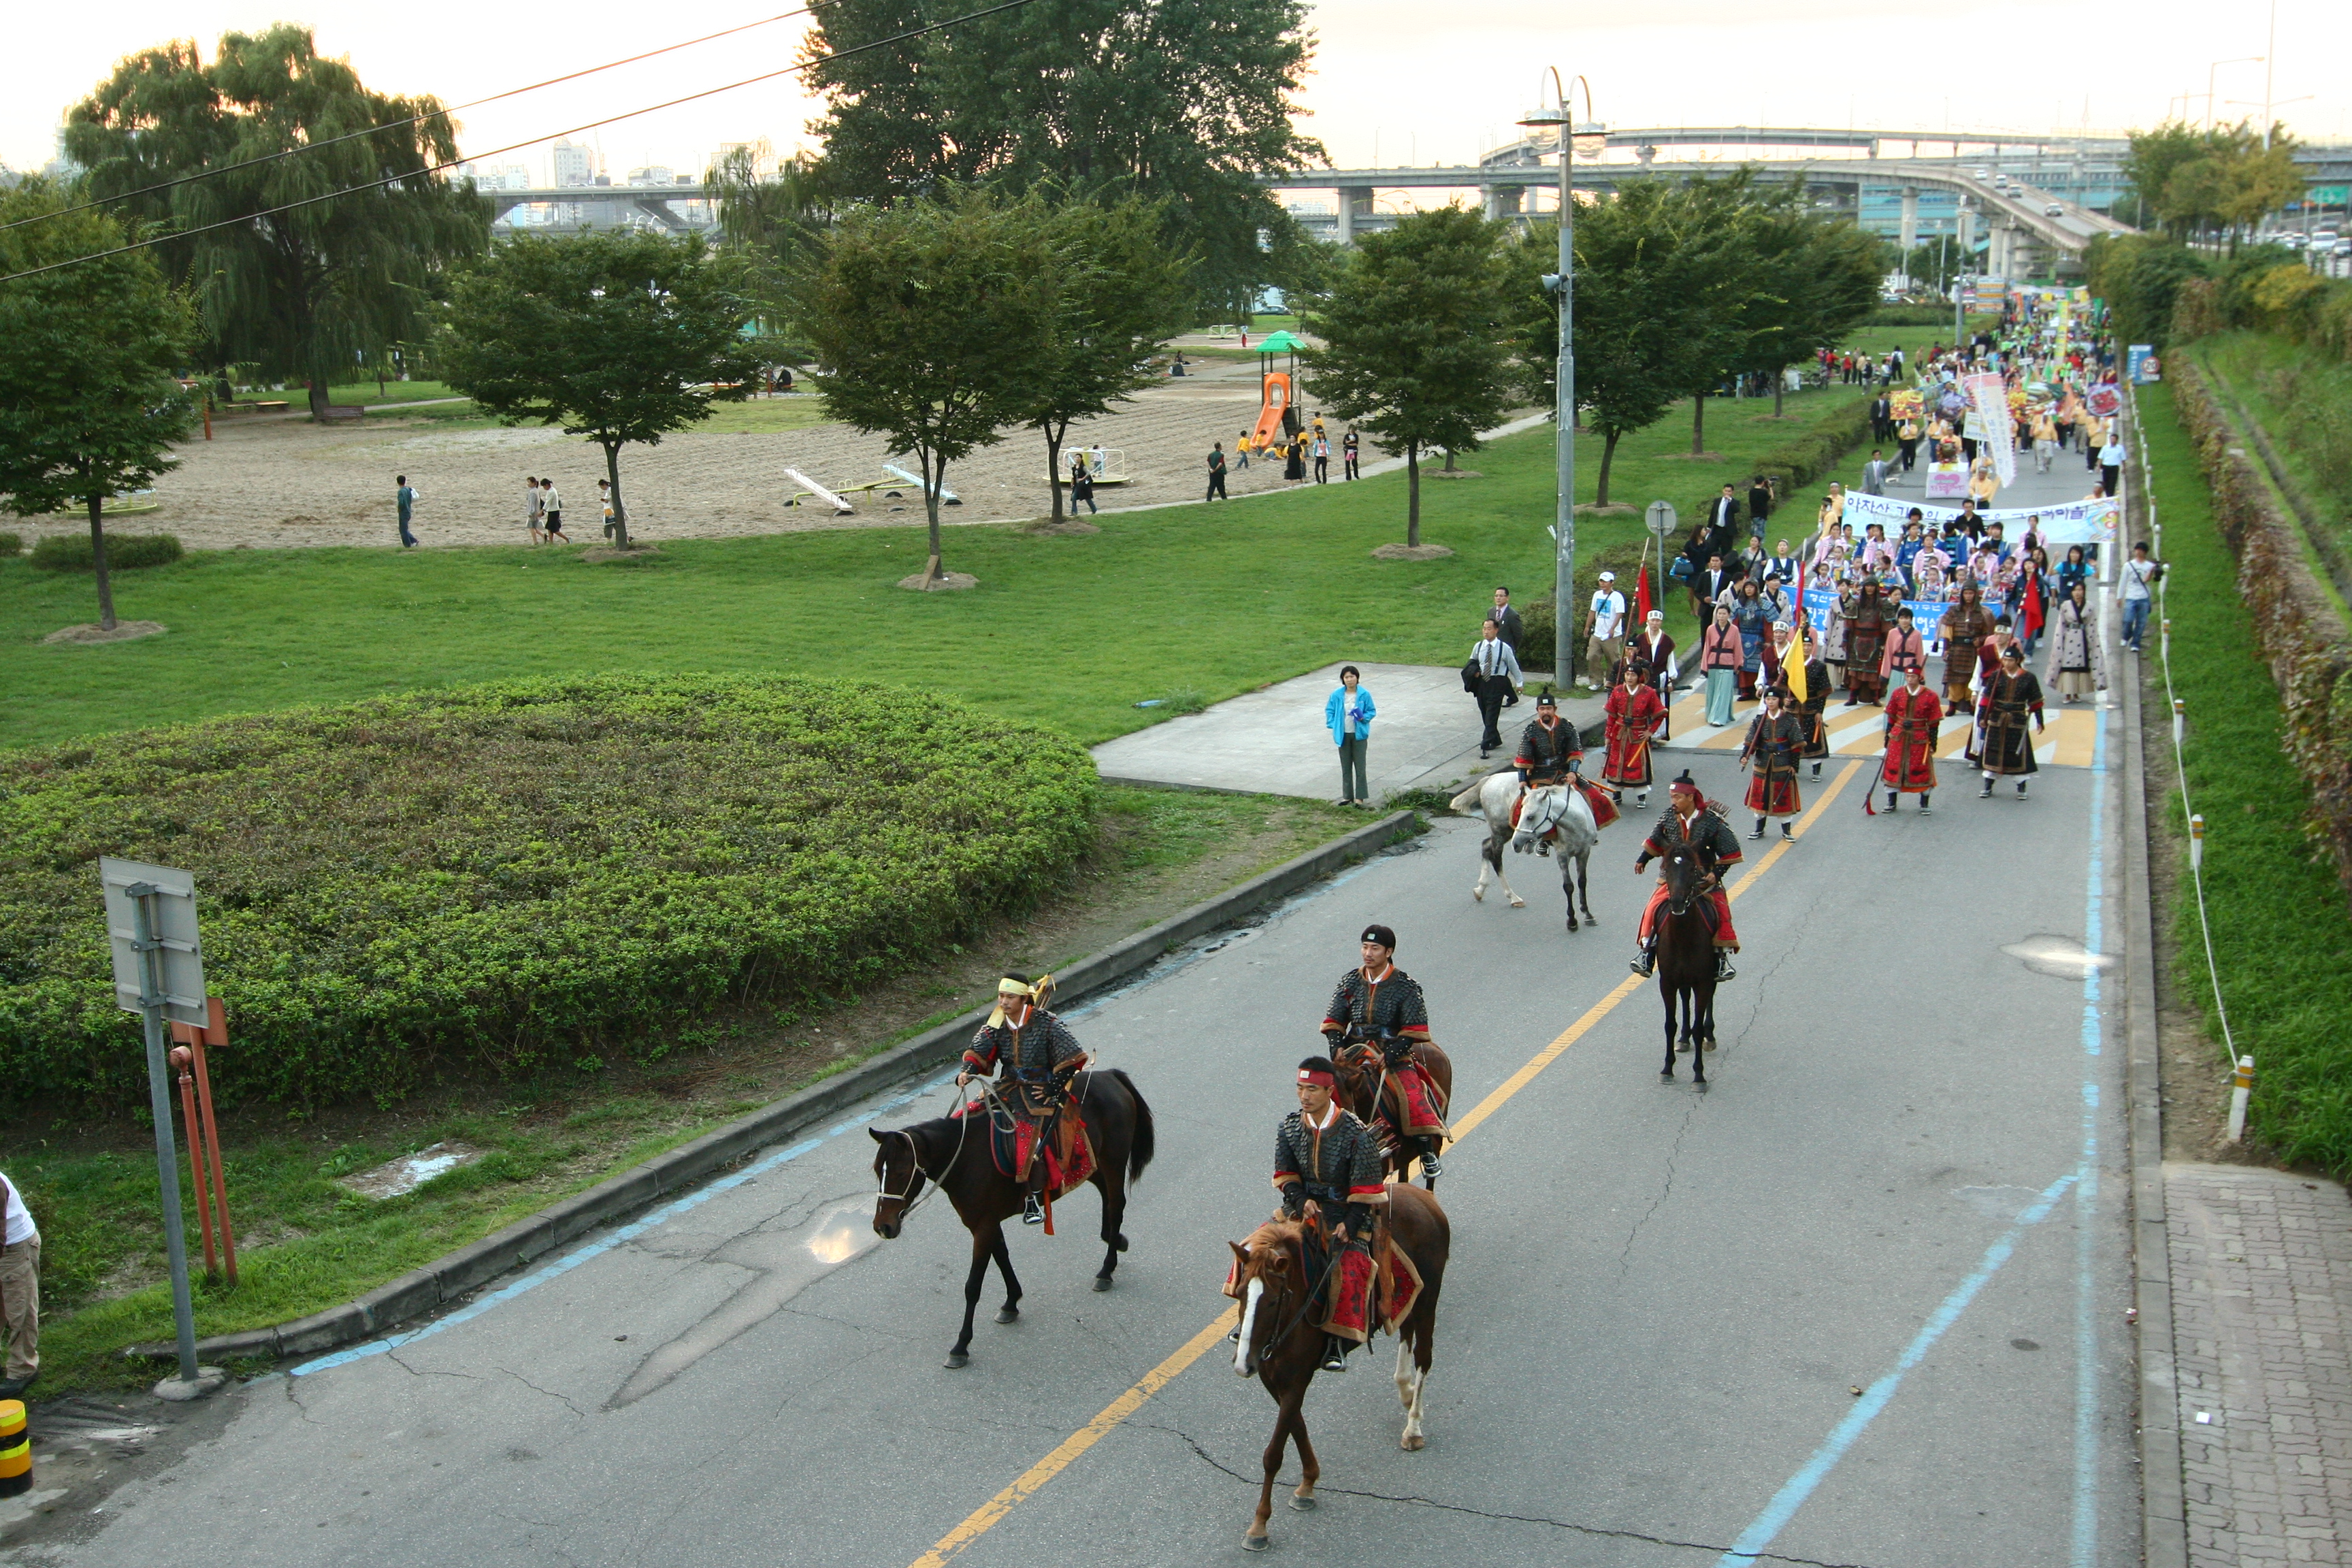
(1633, 715)
(1913, 722)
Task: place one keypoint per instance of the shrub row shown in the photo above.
(2163, 292)
(124, 552)
(12, 544)
(488, 880)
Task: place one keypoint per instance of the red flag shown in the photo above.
(1642, 604)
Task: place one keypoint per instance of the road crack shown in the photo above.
(1690, 1110)
(551, 1393)
(1601, 1532)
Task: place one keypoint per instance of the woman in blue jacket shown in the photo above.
(1347, 713)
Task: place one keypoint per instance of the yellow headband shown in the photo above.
(1009, 988)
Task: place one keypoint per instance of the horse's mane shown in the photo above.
(1290, 1235)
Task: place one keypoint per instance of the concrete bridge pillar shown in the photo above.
(1505, 201)
(1968, 233)
(1910, 220)
(1355, 202)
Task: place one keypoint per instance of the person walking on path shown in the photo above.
(534, 509)
(1633, 717)
(1874, 474)
(1293, 465)
(1322, 458)
(2140, 574)
(2077, 665)
(1914, 720)
(2002, 747)
(1906, 442)
(1240, 452)
(20, 1290)
(1350, 444)
(1506, 619)
(1082, 488)
(2111, 461)
(1605, 628)
(1217, 474)
(1775, 737)
(1494, 671)
(405, 498)
(1760, 501)
(1720, 654)
(1965, 627)
(605, 504)
(553, 504)
(1347, 713)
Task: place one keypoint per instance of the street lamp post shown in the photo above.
(1594, 138)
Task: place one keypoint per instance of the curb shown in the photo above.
(2164, 1505)
(442, 1282)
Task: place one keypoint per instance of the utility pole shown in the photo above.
(1564, 390)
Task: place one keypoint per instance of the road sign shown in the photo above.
(1661, 520)
(171, 912)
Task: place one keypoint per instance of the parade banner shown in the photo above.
(1946, 481)
(2075, 522)
(1926, 615)
(1995, 427)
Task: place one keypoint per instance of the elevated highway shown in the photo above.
(572, 209)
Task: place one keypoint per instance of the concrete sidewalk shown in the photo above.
(1273, 742)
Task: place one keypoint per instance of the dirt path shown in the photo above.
(295, 483)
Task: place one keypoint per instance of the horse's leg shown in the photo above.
(1112, 1181)
(1567, 886)
(1584, 883)
(1418, 1335)
(1004, 1256)
(1702, 1031)
(1503, 876)
(982, 1249)
(1487, 861)
(1310, 1468)
(1666, 990)
(1255, 1541)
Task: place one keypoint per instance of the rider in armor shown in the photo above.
(1692, 820)
(1321, 1151)
(1548, 750)
(1025, 1044)
(1381, 1005)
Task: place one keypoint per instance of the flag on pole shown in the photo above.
(1795, 673)
(1642, 604)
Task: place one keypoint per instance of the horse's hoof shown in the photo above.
(1666, 1072)
(1700, 1086)
(957, 1361)
(1119, 1244)
(1477, 895)
(1008, 1314)
(1710, 1045)
(1255, 1543)
(1682, 1048)
(1102, 1281)
(1413, 1442)
(1518, 903)
(1304, 1505)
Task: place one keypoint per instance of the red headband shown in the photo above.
(1312, 1076)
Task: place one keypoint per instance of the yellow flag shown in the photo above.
(1795, 673)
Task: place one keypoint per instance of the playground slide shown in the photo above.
(946, 495)
(1269, 417)
(839, 506)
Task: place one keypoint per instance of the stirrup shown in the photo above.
(1031, 1211)
(1335, 1353)
(1429, 1166)
(1645, 963)
(1723, 970)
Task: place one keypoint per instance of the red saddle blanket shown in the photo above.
(1068, 1152)
(1392, 1285)
(1597, 800)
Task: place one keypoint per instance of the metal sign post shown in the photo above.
(1662, 523)
(159, 973)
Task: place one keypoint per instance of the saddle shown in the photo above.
(1396, 1281)
(1411, 1103)
(1596, 800)
(1038, 1114)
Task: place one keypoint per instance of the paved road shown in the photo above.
(1660, 1305)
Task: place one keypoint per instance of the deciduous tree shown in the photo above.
(88, 405)
(621, 337)
(1413, 340)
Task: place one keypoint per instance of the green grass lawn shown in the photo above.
(364, 392)
(1065, 631)
(2303, 399)
(2276, 907)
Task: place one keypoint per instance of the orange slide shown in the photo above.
(1269, 417)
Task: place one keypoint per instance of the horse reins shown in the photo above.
(1257, 1358)
(915, 1154)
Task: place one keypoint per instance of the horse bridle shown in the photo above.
(915, 1158)
(1255, 1357)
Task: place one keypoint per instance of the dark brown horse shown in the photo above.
(1281, 1342)
(1363, 1085)
(952, 1155)
(1687, 962)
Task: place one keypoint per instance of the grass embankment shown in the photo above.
(2302, 399)
(1069, 631)
(308, 1243)
(2279, 916)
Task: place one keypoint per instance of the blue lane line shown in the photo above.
(2084, 1180)
(605, 1244)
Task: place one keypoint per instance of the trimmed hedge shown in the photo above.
(124, 552)
(483, 880)
(12, 544)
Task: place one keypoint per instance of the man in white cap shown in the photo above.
(1606, 632)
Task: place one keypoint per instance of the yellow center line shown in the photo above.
(984, 1518)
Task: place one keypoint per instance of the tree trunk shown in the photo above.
(1608, 456)
(1779, 380)
(1698, 424)
(1449, 459)
(97, 555)
(318, 403)
(620, 513)
(1413, 493)
(1053, 468)
(935, 476)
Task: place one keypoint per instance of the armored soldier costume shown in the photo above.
(1381, 1005)
(1913, 720)
(1333, 1159)
(2011, 700)
(1035, 1054)
(1775, 737)
(1551, 752)
(1694, 823)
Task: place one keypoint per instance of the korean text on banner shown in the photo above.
(1995, 427)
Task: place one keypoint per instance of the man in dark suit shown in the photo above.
(1723, 523)
(1882, 419)
(1507, 620)
(1710, 585)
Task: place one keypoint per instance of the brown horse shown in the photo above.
(1363, 1086)
(1686, 964)
(1281, 1338)
(952, 1155)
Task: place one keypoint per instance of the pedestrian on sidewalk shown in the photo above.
(1082, 488)
(1492, 674)
(1605, 625)
(1240, 452)
(1720, 654)
(20, 1290)
(1216, 474)
(2111, 461)
(404, 499)
(1322, 458)
(2072, 571)
(1513, 630)
(1874, 474)
(534, 509)
(2077, 665)
(1907, 440)
(1760, 502)
(553, 506)
(1349, 445)
(1347, 713)
(2140, 574)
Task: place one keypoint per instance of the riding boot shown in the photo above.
(1645, 962)
(1817, 770)
(1335, 1352)
(1641, 801)
(1723, 970)
(1922, 803)
(1786, 836)
(1033, 1212)
(1891, 799)
(1986, 793)
(1429, 1165)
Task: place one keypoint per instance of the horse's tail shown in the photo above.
(1469, 798)
(1140, 1148)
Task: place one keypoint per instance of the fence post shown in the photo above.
(2241, 1088)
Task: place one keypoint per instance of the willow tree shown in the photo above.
(299, 294)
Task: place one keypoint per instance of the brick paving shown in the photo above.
(2262, 1303)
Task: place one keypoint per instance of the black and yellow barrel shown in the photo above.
(15, 1449)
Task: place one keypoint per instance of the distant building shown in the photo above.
(576, 163)
(495, 176)
(652, 174)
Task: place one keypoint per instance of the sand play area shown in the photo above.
(286, 481)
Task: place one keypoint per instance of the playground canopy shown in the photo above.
(1279, 343)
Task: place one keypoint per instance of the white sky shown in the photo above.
(1403, 80)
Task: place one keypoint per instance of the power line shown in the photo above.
(514, 147)
(417, 118)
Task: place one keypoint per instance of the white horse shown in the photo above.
(1553, 806)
